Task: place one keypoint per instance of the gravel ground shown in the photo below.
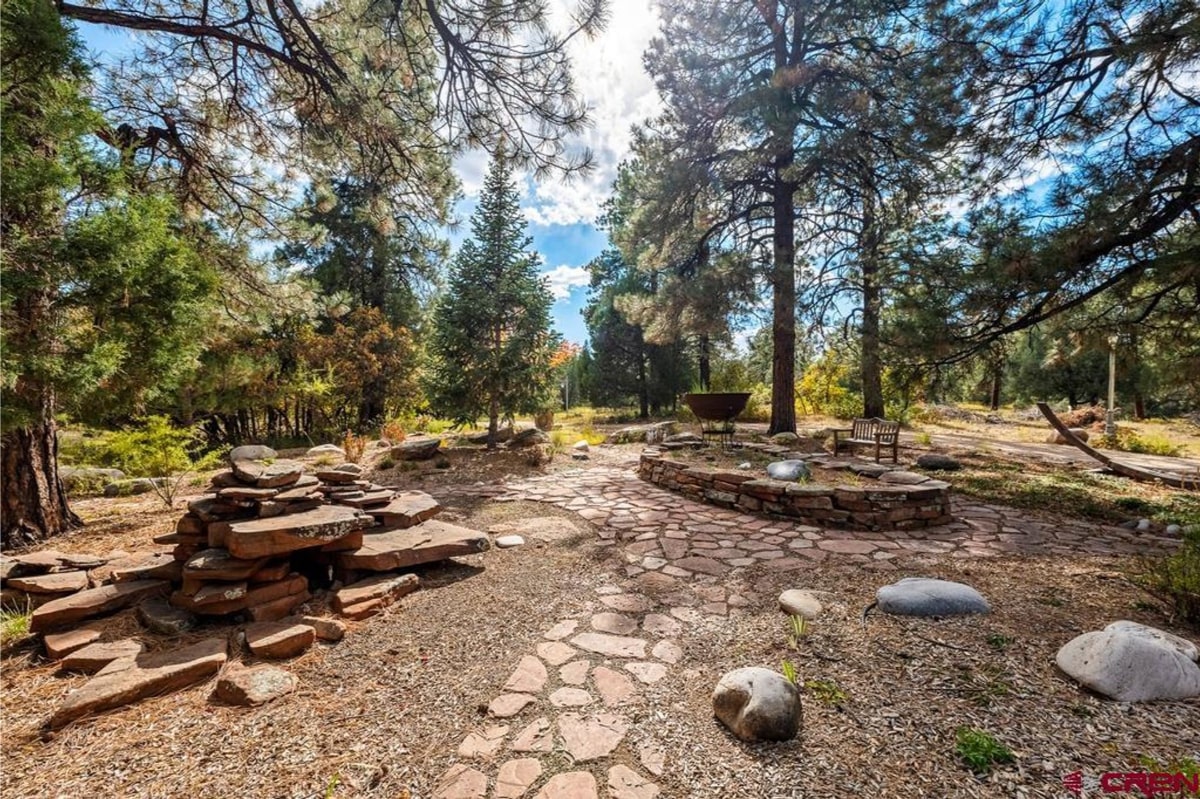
(381, 713)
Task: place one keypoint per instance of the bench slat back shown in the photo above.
(866, 429)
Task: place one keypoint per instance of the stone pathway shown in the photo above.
(571, 694)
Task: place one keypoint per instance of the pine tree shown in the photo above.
(492, 341)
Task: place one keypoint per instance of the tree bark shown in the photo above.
(997, 379)
(493, 421)
(34, 500)
(872, 301)
(783, 266)
(705, 363)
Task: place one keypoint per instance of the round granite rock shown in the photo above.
(921, 596)
(758, 704)
(1131, 662)
(788, 470)
(936, 462)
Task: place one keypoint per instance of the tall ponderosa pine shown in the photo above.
(492, 342)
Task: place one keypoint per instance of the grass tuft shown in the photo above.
(980, 750)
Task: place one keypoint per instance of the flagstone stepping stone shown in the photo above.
(94, 602)
(483, 745)
(406, 509)
(555, 653)
(575, 672)
(389, 587)
(652, 758)
(279, 640)
(508, 705)
(427, 543)
(416, 449)
(461, 781)
(797, 602)
(792, 470)
(277, 535)
(509, 541)
(59, 645)
(613, 686)
(625, 783)
(268, 475)
(572, 785)
(920, 596)
(253, 686)
(902, 477)
(561, 630)
(93, 657)
(648, 673)
(571, 697)
(128, 680)
(658, 624)
(1131, 662)
(515, 777)
(536, 737)
(627, 603)
(529, 678)
(591, 737)
(56, 583)
(614, 623)
(617, 646)
(667, 652)
(687, 615)
(757, 704)
(702, 565)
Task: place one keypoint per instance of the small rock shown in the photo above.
(793, 470)
(253, 686)
(758, 704)
(1130, 662)
(326, 629)
(581, 446)
(279, 640)
(509, 541)
(1143, 525)
(796, 602)
(1173, 529)
(744, 465)
(937, 462)
(919, 596)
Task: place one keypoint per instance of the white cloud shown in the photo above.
(609, 77)
(565, 279)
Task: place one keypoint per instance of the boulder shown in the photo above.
(417, 449)
(1056, 437)
(1131, 662)
(920, 596)
(684, 438)
(158, 616)
(531, 437)
(399, 549)
(937, 462)
(758, 704)
(259, 538)
(796, 602)
(645, 434)
(786, 438)
(406, 509)
(252, 452)
(326, 449)
(792, 470)
(503, 434)
(279, 640)
(94, 602)
(137, 485)
(131, 679)
(253, 686)
(88, 477)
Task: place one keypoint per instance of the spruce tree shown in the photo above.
(492, 341)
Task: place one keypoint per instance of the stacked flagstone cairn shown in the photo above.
(269, 530)
(252, 551)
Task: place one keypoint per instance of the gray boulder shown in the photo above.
(785, 438)
(252, 452)
(416, 449)
(1131, 662)
(138, 485)
(936, 462)
(88, 477)
(797, 602)
(921, 596)
(530, 437)
(758, 704)
(794, 470)
(327, 449)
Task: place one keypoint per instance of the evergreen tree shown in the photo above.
(492, 343)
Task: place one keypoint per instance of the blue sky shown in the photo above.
(610, 79)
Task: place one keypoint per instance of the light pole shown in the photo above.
(1110, 421)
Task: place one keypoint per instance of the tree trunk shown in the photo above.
(705, 363)
(34, 501)
(783, 287)
(997, 379)
(643, 379)
(493, 421)
(872, 302)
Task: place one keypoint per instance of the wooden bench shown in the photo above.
(879, 432)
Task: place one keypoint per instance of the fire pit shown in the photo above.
(717, 412)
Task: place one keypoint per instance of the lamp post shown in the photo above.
(1110, 421)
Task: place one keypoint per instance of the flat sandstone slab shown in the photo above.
(407, 509)
(257, 538)
(94, 602)
(130, 680)
(397, 549)
(381, 586)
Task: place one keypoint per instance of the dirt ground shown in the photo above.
(381, 713)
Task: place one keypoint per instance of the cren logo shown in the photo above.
(1073, 782)
(1148, 784)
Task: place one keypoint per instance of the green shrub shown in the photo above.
(980, 750)
(1145, 444)
(386, 463)
(1176, 577)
